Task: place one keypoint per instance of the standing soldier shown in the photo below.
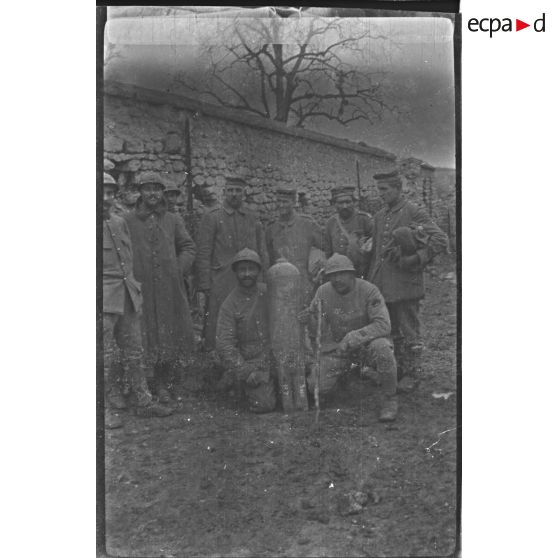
(223, 231)
(405, 241)
(163, 254)
(349, 231)
(122, 302)
(356, 328)
(243, 341)
(292, 236)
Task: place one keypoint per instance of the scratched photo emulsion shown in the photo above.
(278, 327)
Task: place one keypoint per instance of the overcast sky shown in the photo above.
(418, 59)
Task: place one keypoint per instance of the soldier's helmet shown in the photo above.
(108, 180)
(337, 263)
(246, 255)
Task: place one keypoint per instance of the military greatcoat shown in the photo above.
(394, 283)
(163, 254)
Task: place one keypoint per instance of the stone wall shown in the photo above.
(147, 129)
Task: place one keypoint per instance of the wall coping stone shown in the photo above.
(129, 91)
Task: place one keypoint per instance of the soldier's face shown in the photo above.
(247, 273)
(345, 206)
(342, 281)
(389, 194)
(109, 196)
(285, 206)
(151, 194)
(172, 198)
(234, 195)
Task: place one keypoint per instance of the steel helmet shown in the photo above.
(109, 180)
(246, 255)
(338, 262)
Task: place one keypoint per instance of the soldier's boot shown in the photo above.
(115, 400)
(162, 383)
(381, 353)
(389, 408)
(153, 409)
(112, 419)
(413, 372)
(112, 370)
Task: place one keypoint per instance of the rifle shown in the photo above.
(317, 364)
(358, 185)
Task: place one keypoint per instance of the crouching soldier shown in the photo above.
(122, 301)
(242, 339)
(355, 327)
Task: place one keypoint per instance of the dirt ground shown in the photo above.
(215, 481)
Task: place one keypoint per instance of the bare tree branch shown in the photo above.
(313, 75)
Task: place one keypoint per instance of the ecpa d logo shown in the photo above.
(494, 24)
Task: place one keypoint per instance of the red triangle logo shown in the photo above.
(519, 25)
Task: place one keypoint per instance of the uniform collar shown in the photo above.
(397, 206)
(349, 219)
(230, 210)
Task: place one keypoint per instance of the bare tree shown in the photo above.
(317, 68)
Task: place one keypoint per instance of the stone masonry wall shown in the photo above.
(147, 130)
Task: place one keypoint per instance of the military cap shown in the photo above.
(208, 192)
(234, 181)
(108, 180)
(150, 177)
(169, 187)
(246, 255)
(338, 191)
(337, 263)
(392, 178)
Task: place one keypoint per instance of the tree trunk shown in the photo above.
(281, 110)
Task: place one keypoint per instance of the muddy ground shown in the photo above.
(213, 480)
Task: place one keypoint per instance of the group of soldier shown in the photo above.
(360, 283)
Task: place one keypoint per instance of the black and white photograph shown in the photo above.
(278, 313)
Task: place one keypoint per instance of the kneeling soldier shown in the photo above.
(356, 326)
(243, 335)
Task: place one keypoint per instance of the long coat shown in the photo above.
(118, 271)
(163, 254)
(223, 232)
(394, 283)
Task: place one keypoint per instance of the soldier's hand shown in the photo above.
(342, 347)
(304, 316)
(351, 341)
